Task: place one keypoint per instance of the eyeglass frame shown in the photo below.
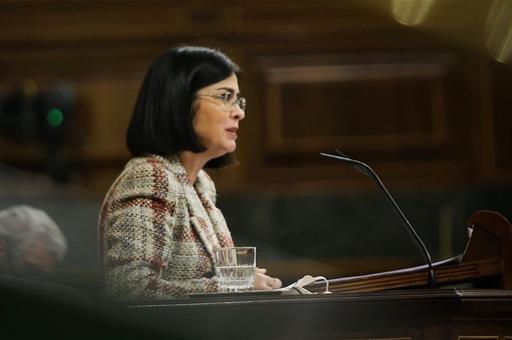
(241, 102)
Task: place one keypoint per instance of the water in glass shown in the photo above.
(236, 278)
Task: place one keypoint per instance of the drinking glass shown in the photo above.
(235, 268)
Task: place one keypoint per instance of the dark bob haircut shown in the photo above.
(162, 117)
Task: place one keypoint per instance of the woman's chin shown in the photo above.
(223, 151)
(231, 147)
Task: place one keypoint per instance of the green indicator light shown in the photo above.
(55, 117)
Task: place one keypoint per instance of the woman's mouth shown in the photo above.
(232, 131)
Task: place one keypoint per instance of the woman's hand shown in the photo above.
(265, 282)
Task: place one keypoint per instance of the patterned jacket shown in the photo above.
(158, 232)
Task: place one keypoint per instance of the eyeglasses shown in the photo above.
(228, 100)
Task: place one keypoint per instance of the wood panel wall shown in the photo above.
(427, 110)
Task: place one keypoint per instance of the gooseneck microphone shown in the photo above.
(364, 168)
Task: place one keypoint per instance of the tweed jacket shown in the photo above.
(158, 232)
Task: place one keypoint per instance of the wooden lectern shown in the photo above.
(488, 257)
(390, 305)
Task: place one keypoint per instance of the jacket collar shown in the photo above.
(204, 216)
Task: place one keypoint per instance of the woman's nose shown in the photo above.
(238, 113)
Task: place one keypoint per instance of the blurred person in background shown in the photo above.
(159, 226)
(31, 243)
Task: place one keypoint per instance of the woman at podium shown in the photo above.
(159, 225)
